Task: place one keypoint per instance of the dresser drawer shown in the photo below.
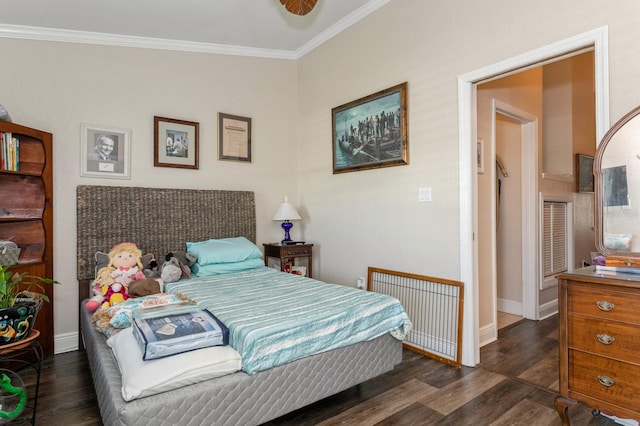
(611, 339)
(612, 305)
(296, 250)
(589, 374)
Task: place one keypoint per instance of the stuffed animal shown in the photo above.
(113, 294)
(125, 263)
(110, 285)
(151, 269)
(175, 265)
(171, 270)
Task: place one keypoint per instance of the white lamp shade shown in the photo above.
(286, 211)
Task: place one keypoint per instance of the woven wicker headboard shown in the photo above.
(158, 220)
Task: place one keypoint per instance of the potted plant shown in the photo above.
(21, 296)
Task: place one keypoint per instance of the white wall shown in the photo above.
(57, 86)
(355, 219)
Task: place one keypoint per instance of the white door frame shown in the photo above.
(529, 190)
(467, 115)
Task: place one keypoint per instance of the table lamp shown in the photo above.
(286, 213)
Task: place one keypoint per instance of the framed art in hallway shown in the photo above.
(584, 173)
(371, 132)
(105, 152)
(175, 143)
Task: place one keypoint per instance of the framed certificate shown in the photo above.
(234, 137)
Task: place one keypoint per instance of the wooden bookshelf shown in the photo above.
(26, 214)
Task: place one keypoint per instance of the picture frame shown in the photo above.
(480, 155)
(105, 152)
(371, 132)
(584, 173)
(176, 143)
(234, 137)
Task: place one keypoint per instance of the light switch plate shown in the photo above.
(424, 195)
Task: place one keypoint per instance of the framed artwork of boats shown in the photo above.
(371, 132)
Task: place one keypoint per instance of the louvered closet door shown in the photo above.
(555, 238)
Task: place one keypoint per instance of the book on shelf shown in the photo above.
(9, 152)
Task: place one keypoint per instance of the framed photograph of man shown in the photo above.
(371, 132)
(176, 143)
(105, 152)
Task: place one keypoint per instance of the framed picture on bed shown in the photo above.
(105, 152)
(234, 137)
(176, 143)
(371, 132)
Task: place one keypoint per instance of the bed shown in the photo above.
(163, 220)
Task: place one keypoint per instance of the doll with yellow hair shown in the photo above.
(111, 284)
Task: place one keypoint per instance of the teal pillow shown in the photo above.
(226, 268)
(225, 250)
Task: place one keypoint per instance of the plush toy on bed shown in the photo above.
(113, 294)
(151, 268)
(112, 282)
(175, 265)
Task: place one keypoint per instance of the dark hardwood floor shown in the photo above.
(515, 384)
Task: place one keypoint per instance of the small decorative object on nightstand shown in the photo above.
(287, 255)
(286, 212)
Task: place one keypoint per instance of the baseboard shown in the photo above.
(510, 307)
(66, 342)
(488, 334)
(548, 309)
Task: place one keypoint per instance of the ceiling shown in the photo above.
(249, 27)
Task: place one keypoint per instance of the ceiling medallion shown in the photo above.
(299, 7)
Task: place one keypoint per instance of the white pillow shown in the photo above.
(143, 378)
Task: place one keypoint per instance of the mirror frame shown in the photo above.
(598, 186)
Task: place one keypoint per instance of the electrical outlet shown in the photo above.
(360, 283)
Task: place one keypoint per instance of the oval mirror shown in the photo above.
(616, 172)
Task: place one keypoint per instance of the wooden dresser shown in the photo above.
(599, 341)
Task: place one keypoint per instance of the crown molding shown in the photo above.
(340, 26)
(87, 37)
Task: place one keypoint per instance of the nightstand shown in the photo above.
(288, 254)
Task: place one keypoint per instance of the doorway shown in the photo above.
(469, 233)
(526, 109)
(509, 236)
(507, 197)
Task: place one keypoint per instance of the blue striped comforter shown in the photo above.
(275, 318)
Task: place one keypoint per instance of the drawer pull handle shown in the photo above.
(605, 339)
(603, 305)
(606, 381)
